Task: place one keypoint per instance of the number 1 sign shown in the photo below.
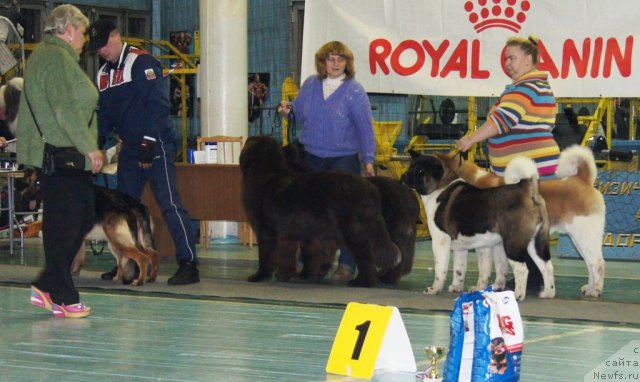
(370, 337)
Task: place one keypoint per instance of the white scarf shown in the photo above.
(329, 85)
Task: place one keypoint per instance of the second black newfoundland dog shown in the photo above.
(284, 206)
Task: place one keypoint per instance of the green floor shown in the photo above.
(225, 329)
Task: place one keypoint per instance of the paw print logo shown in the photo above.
(508, 14)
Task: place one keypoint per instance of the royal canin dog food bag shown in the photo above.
(486, 338)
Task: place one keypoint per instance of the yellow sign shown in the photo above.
(370, 337)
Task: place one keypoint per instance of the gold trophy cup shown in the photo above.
(436, 353)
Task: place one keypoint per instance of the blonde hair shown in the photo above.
(339, 48)
(62, 16)
(529, 45)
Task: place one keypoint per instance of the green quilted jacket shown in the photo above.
(63, 100)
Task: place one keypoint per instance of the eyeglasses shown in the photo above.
(336, 59)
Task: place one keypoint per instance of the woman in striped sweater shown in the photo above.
(520, 122)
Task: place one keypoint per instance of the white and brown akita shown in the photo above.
(461, 217)
(574, 206)
(125, 225)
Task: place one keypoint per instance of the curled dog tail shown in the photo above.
(577, 160)
(520, 168)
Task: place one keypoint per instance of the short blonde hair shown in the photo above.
(529, 45)
(62, 16)
(340, 49)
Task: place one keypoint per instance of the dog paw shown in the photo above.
(547, 293)
(456, 288)
(498, 286)
(589, 291)
(259, 276)
(520, 296)
(431, 291)
(284, 276)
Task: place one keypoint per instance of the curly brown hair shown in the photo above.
(339, 48)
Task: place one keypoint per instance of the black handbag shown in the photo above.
(58, 157)
(61, 157)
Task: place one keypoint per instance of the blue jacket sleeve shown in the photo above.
(149, 82)
(362, 117)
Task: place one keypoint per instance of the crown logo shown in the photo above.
(508, 14)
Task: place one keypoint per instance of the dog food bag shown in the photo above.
(499, 337)
(486, 338)
(462, 332)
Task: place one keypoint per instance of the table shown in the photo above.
(11, 175)
(208, 192)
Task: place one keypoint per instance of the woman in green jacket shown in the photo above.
(60, 100)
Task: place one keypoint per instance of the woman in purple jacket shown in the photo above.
(338, 129)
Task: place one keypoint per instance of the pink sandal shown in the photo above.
(70, 311)
(40, 299)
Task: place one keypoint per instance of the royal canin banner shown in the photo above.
(454, 47)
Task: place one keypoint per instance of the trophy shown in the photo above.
(436, 353)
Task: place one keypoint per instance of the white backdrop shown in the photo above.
(453, 47)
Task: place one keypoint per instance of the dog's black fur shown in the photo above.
(284, 205)
(126, 225)
(400, 211)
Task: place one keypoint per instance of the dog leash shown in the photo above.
(291, 122)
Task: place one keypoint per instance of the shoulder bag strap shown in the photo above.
(33, 115)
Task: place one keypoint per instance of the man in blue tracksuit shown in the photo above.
(134, 102)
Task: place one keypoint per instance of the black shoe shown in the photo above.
(110, 275)
(187, 273)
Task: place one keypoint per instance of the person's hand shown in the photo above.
(146, 151)
(369, 170)
(465, 143)
(283, 107)
(97, 160)
(3, 142)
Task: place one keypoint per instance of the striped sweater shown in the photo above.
(524, 116)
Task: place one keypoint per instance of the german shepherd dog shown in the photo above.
(400, 211)
(574, 206)
(282, 205)
(126, 226)
(462, 217)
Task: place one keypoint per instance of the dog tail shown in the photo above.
(521, 168)
(145, 231)
(577, 160)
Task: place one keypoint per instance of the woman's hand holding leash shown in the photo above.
(369, 170)
(465, 143)
(97, 159)
(283, 107)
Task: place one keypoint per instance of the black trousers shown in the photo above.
(69, 212)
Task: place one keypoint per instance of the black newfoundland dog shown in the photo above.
(284, 206)
(400, 211)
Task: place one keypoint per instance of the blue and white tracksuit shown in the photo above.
(134, 102)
